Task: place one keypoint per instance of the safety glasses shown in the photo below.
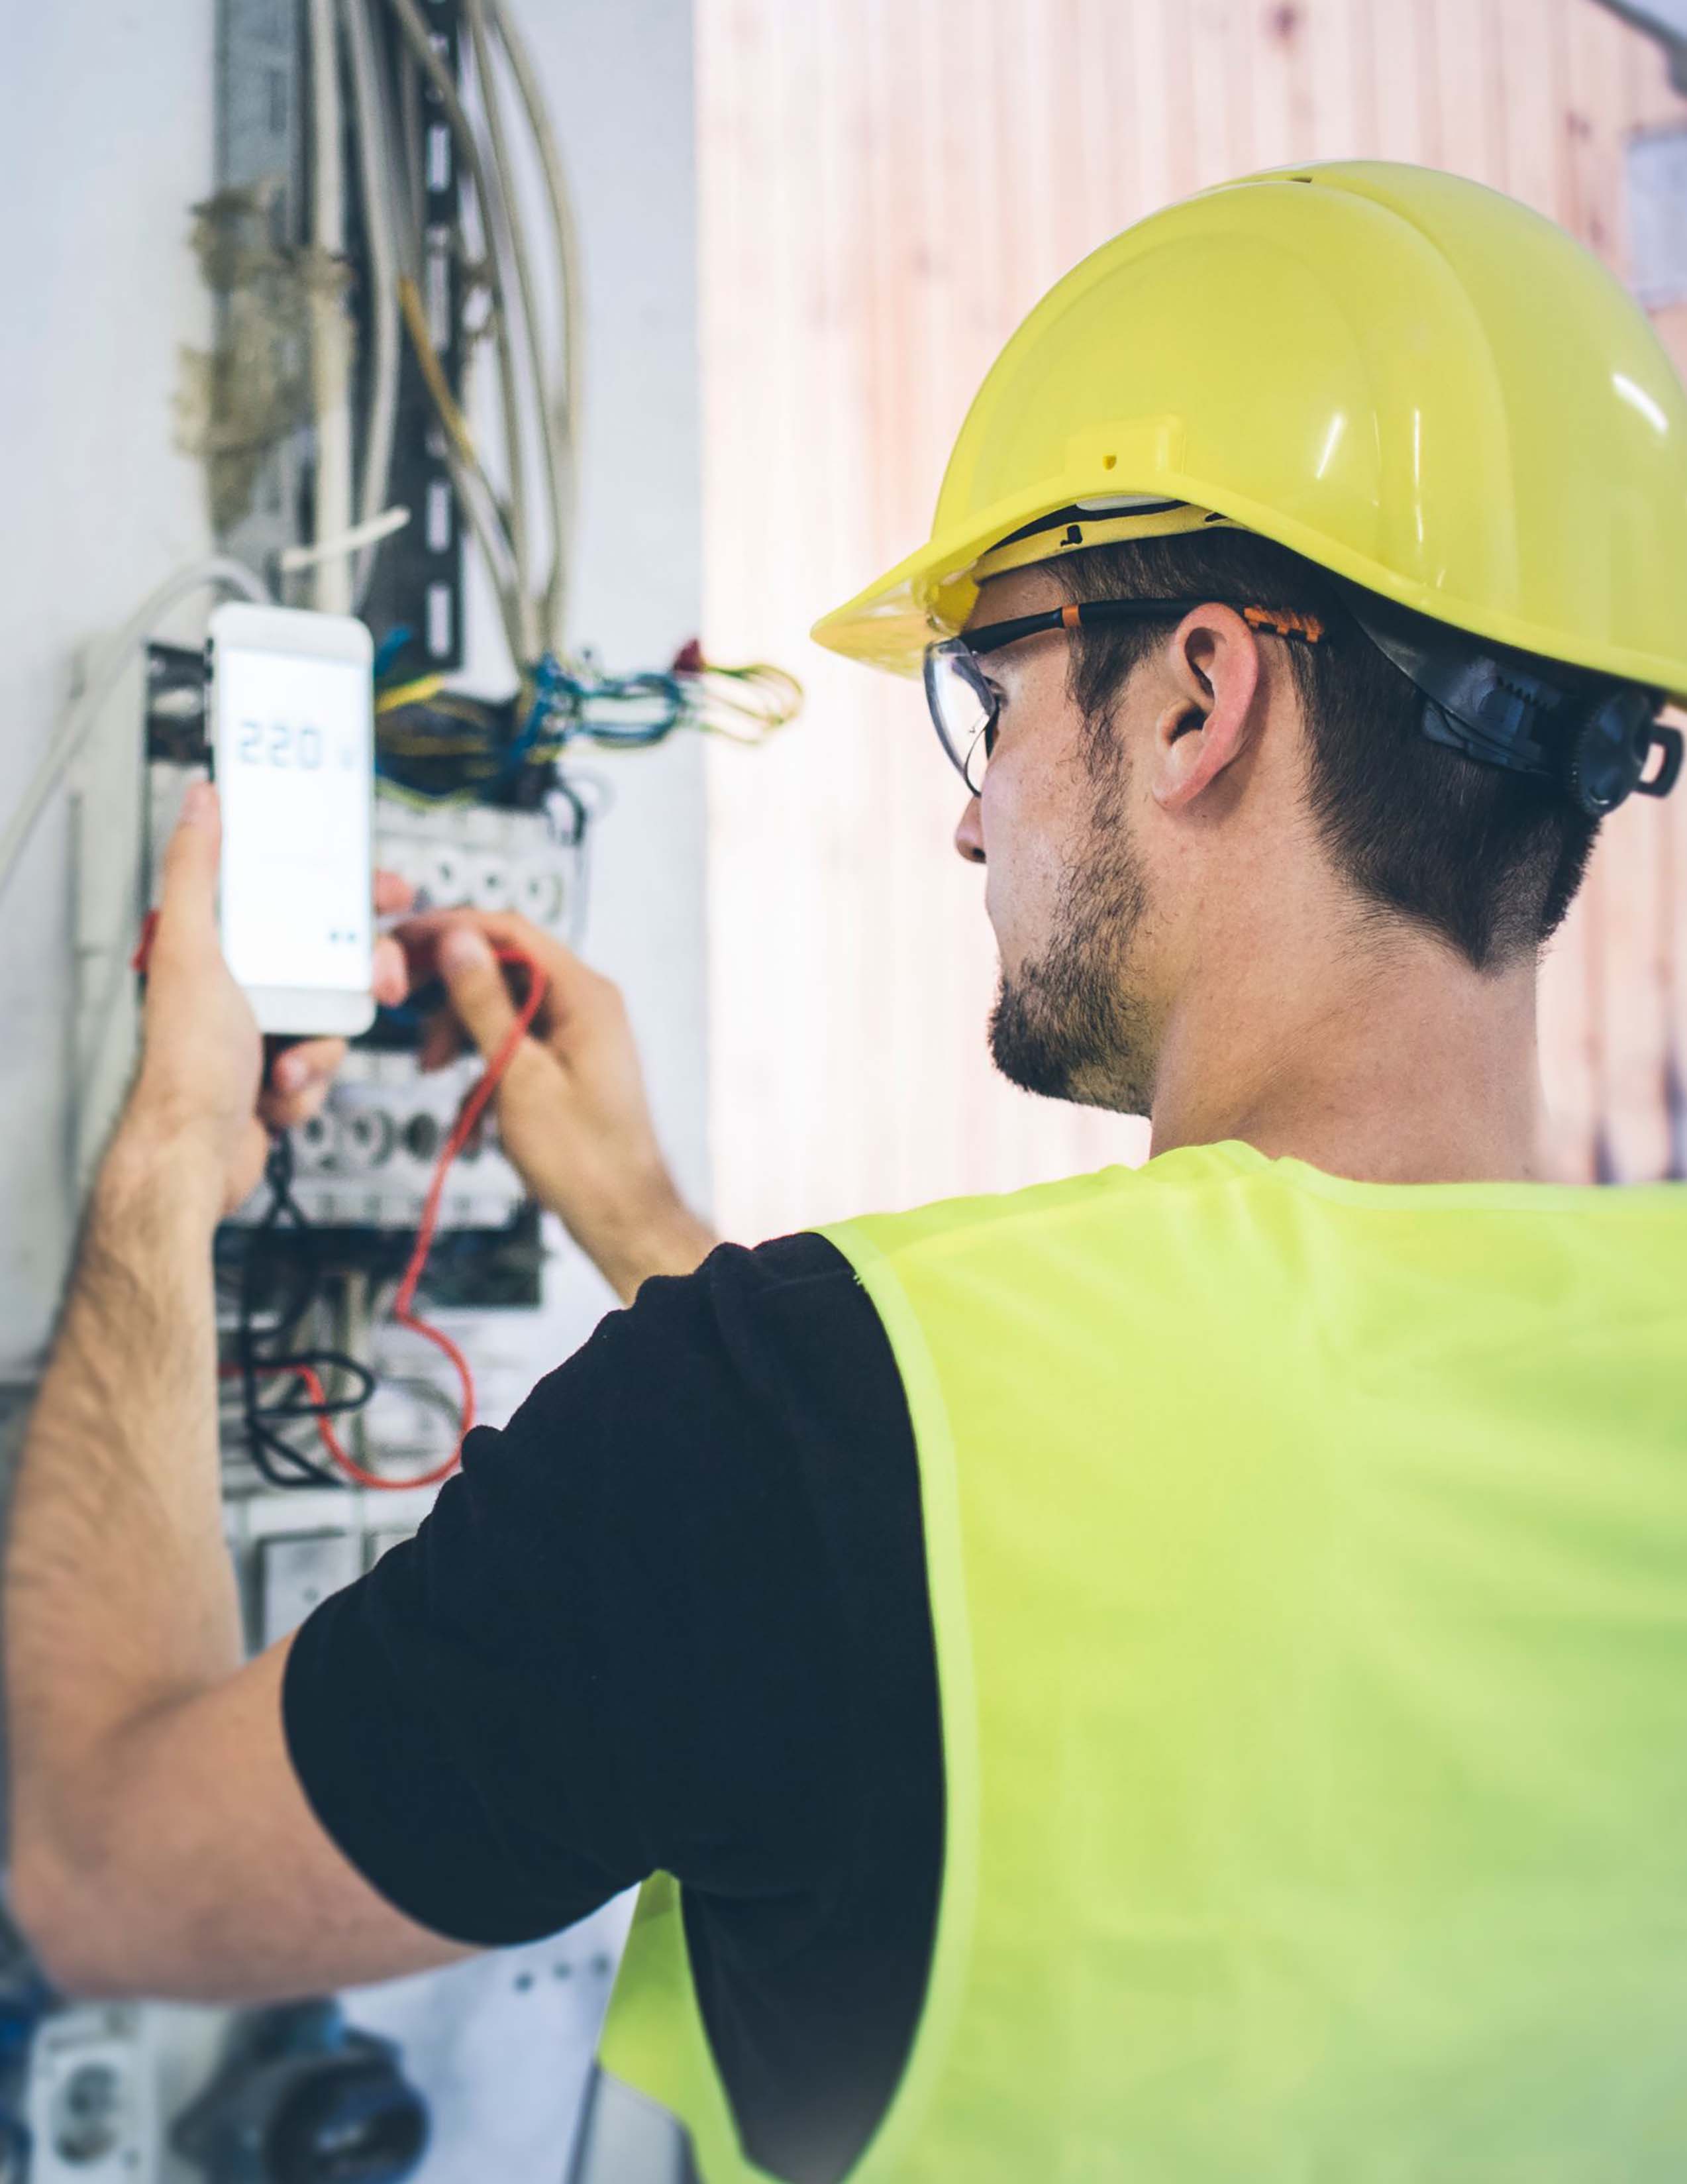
(965, 705)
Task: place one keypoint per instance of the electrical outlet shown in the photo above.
(93, 2098)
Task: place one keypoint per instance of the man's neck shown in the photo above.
(1396, 1064)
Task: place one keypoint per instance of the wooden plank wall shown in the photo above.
(886, 186)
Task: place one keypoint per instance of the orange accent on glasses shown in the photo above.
(1284, 622)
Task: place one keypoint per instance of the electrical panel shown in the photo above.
(362, 1168)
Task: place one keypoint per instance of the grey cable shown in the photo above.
(570, 289)
(218, 570)
(375, 174)
(331, 349)
(474, 496)
(526, 289)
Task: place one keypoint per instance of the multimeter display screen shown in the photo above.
(295, 739)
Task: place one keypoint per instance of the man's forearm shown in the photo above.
(631, 1243)
(119, 1591)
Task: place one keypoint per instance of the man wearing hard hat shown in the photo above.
(1176, 1675)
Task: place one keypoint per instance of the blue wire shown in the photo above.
(390, 647)
(568, 707)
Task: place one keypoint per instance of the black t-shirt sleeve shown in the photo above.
(621, 1641)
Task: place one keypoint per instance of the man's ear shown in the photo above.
(1213, 661)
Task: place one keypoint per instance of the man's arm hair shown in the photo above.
(161, 1842)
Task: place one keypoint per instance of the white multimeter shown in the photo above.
(293, 732)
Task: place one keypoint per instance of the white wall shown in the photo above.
(107, 139)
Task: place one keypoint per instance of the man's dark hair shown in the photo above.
(1488, 859)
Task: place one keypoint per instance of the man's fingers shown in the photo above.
(442, 1041)
(571, 987)
(474, 981)
(189, 903)
(391, 981)
(285, 1111)
(392, 893)
(299, 1079)
(504, 929)
(309, 1061)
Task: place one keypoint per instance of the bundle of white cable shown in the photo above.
(566, 394)
(375, 187)
(537, 364)
(217, 572)
(331, 349)
(538, 395)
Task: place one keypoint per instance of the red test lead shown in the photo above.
(402, 1305)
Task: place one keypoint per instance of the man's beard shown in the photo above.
(1067, 1026)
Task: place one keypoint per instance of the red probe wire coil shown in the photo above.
(402, 1305)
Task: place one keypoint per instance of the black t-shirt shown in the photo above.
(674, 1616)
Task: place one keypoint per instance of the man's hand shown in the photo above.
(571, 1110)
(202, 1081)
(159, 1841)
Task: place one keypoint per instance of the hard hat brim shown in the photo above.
(929, 594)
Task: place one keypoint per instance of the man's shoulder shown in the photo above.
(738, 1275)
(990, 1219)
(790, 1308)
(807, 1273)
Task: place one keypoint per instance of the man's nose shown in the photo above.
(969, 835)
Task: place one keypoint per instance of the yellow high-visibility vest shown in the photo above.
(1308, 1567)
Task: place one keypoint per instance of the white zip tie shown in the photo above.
(293, 558)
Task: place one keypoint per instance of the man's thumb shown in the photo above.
(475, 984)
(189, 894)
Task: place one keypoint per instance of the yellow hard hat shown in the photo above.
(1409, 379)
